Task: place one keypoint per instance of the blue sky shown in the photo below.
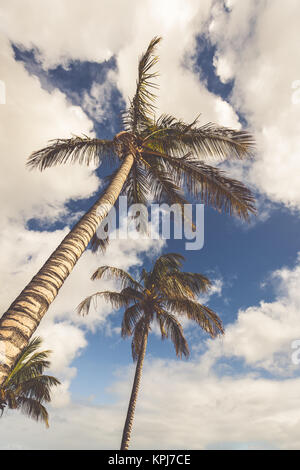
(255, 268)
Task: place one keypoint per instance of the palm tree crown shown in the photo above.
(27, 388)
(161, 294)
(169, 155)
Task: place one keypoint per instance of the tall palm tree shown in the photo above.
(27, 388)
(164, 157)
(160, 295)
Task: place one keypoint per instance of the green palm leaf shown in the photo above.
(117, 299)
(204, 316)
(142, 105)
(110, 272)
(130, 318)
(29, 362)
(170, 327)
(211, 185)
(174, 137)
(33, 409)
(183, 284)
(38, 388)
(27, 388)
(137, 187)
(164, 264)
(32, 367)
(83, 150)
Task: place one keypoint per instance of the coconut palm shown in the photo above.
(161, 295)
(164, 157)
(27, 388)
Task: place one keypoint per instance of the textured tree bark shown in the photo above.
(133, 398)
(24, 315)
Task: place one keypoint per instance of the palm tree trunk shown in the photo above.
(133, 398)
(24, 315)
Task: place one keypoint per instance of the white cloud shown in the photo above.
(260, 51)
(216, 289)
(262, 335)
(73, 31)
(69, 29)
(31, 117)
(180, 92)
(179, 407)
(223, 68)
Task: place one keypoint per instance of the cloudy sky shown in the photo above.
(68, 67)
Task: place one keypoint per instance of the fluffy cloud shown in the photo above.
(71, 31)
(179, 407)
(259, 50)
(263, 335)
(31, 117)
(180, 91)
(216, 289)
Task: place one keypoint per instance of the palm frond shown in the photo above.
(212, 186)
(83, 150)
(163, 185)
(29, 362)
(110, 272)
(204, 316)
(32, 346)
(11, 399)
(166, 187)
(144, 277)
(38, 388)
(142, 104)
(164, 264)
(170, 327)
(99, 244)
(174, 137)
(183, 284)
(32, 367)
(117, 299)
(33, 409)
(27, 388)
(136, 186)
(130, 318)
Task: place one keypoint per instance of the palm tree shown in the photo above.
(160, 295)
(164, 157)
(27, 388)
